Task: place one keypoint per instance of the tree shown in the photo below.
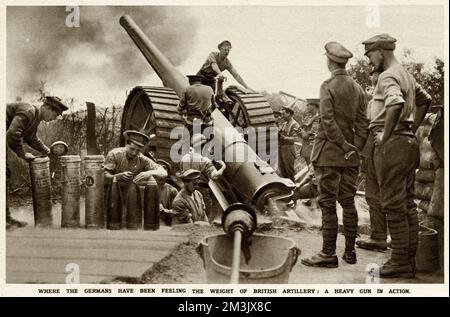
(431, 79)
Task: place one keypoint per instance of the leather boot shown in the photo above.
(322, 259)
(391, 269)
(349, 257)
(372, 244)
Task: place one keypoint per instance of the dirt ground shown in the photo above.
(184, 266)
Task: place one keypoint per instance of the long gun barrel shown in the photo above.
(253, 180)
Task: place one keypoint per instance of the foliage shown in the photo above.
(430, 78)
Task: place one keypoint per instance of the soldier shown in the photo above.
(195, 160)
(342, 133)
(309, 126)
(22, 121)
(278, 119)
(289, 129)
(167, 194)
(128, 164)
(188, 206)
(399, 106)
(197, 103)
(216, 63)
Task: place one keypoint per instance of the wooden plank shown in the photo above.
(76, 254)
(51, 278)
(87, 267)
(162, 234)
(17, 243)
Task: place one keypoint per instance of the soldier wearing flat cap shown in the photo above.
(167, 193)
(287, 136)
(398, 107)
(196, 104)
(195, 160)
(22, 121)
(216, 63)
(341, 135)
(188, 206)
(128, 164)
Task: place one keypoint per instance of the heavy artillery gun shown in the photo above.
(154, 110)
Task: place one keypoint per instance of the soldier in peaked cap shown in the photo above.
(188, 205)
(398, 107)
(22, 122)
(128, 164)
(342, 133)
(287, 136)
(216, 63)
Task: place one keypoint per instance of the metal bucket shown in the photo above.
(41, 190)
(70, 191)
(94, 180)
(427, 256)
(272, 259)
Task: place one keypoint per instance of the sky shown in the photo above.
(274, 47)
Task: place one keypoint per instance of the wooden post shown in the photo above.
(91, 141)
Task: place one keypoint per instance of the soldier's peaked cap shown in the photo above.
(195, 77)
(381, 41)
(337, 52)
(136, 137)
(226, 42)
(56, 104)
(190, 174)
(165, 164)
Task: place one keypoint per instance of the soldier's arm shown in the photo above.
(14, 136)
(361, 122)
(423, 102)
(180, 212)
(394, 103)
(238, 77)
(332, 130)
(153, 169)
(37, 144)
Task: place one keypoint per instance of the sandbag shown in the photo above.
(424, 205)
(436, 207)
(425, 175)
(428, 157)
(423, 190)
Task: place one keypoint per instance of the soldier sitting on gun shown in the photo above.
(167, 194)
(216, 63)
(22, 121)
(128, 164)
(196, 104)
(188, 206)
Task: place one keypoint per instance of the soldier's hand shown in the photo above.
(347, 147)
(222, 164)
(29, 157)
(141, 177)
(125, 176)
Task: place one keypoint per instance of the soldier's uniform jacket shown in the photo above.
(213, 58)
(342, 118)
(200, 163)
(22, 121)
(310, 125)
(188, 208)
(167, 194)
(289, 129)
(197, 100)
(117, 161)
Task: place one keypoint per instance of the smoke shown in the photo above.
(96, 61)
